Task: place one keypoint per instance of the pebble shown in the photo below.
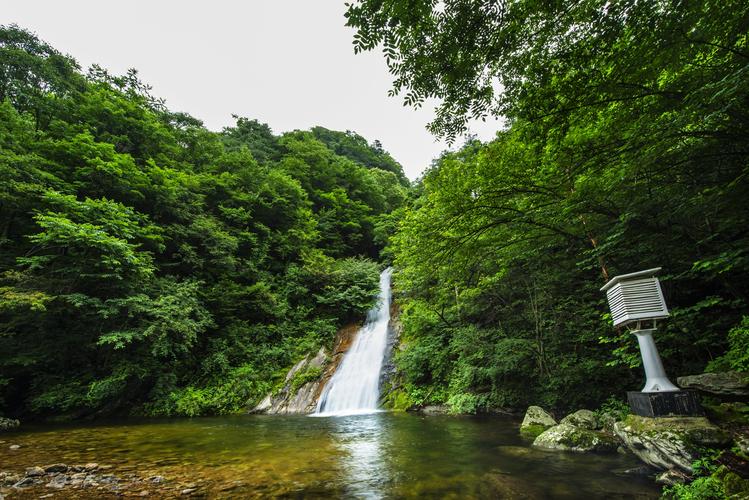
(188, 491)
(34, 471)
(144, 493)
(14, 447)
(27, 481)
(57, 482)
(56, 468)
(91, 466)
(157, 479)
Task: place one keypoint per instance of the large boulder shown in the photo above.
(566, 437)
(536, 421)
(7, 424)
(585, 419)
(721, 384)
(669, 442)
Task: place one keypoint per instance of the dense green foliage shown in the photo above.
(149, 265)
(625, 148)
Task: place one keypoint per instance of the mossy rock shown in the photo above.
(566, 437)
(734, 486)
(309, 374)
(585, 419)
(669, 442)
(536, 421)
(397, 400)
(532, 431)
(730, 384)
(729, 414)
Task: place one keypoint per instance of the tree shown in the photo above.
(530, 59)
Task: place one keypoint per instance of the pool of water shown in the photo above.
(382, 455)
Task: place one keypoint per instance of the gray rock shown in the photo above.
(434, 410)
(721, 384)
(14, 447)
(58, 482)
(56, 468)
(7, 424)
(10, 479)
(34, 471)
(672, 477)
(536, 421)
(669, 442)
(90, 482)
(25, 482)
(584, 419)
(566, 437)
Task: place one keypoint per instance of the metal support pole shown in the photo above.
(655, 376)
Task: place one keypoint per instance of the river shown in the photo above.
(381, 455)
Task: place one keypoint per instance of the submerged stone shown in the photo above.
(34, 471)
(669, 442)
(566, 437)
(56, 468)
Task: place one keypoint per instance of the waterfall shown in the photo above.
(355, 386)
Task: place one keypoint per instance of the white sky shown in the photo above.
(289, 63)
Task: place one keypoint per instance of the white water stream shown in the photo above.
(355, 387)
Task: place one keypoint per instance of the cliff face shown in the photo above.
(306, 380)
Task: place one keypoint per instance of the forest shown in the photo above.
(150, 266)
(624, 149)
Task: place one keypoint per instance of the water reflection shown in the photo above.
(361, 438)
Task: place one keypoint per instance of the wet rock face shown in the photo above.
(733, 384)
(567, 437)
(299, 395)
(669, 442)
(536, 421)
(291, 398)
(7, 424)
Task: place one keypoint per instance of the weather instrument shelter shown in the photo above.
(636, 302)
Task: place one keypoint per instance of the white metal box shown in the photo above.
(636, 297)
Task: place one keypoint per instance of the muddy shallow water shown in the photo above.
(382, 455)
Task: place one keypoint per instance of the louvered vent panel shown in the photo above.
(636, 299)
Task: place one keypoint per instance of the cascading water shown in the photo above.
(355, 386)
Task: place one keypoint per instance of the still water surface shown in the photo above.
(382, 455)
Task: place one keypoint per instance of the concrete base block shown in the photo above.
(664, 404)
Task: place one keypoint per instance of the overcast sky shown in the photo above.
(289, 63)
